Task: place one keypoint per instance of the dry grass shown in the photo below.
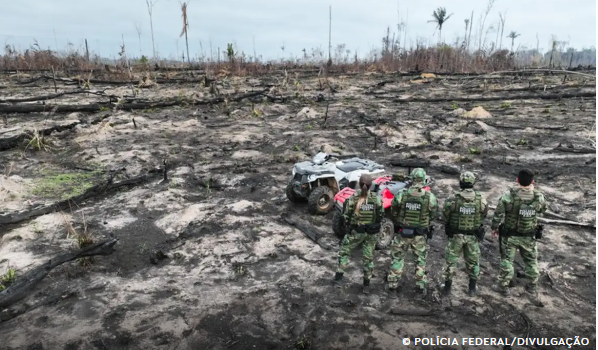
(8, 278)
(39, 142)
(442, 58)
(590, 135)
(82, 238)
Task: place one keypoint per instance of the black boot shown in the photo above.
(447, 287)
(338, 279)
(392, 292)
(472, 287)
(366, 286)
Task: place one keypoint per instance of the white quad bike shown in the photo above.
(320, 179)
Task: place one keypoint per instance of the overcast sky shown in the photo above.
(296, 24)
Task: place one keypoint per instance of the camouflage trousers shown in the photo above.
(399, 248)
(352, 241)
(529, 254)
(469, 246)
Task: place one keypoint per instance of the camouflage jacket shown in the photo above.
(508, 209)
(352, 218)
(450, 213)
(416, 191)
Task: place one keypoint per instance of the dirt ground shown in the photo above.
(235, 275)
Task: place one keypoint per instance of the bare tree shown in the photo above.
(503, 18)
(497, 34)
(185, 27)
(483, 22)
(466, 26)
(150, 7)
(440, 17)
(329, 36)
(138, 29)
(405, 33)
(470, 27)
(512, 35)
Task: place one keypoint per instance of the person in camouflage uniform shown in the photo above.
(362, 213)
(413, 210)
(463, 214)
(516, 221)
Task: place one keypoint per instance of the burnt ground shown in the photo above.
(235, 275)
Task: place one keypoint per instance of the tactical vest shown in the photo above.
(466, 214)
(367, 211)
(414, 211)
(521, 216)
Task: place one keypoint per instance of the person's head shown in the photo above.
(418, 175)
(525, 177)
(466, 180)
(365, 183)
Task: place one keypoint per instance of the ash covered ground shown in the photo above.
(204, 261)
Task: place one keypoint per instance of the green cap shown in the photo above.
(418, 175)
(467, 177)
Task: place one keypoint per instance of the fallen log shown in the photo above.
(413, 312)
(9, 130)
(447, 169)
(51, 96)
(310, 232)
(560, 148)
(95, 107)
(9, 314)
(97, 190)
(413, 163)
(19, 289)
(536, 70)
(553, 221)
(498, 98)
(545, 127)
(566, 222)
(16, 140)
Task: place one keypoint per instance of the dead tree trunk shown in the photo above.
(26, 282)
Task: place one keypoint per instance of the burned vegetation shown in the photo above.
(149, 212)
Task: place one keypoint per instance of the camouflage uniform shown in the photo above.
(463, 214)
(370, 212)
(412, 208)
(519, 208)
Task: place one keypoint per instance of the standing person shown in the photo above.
(463, 214)
(362, 213)
(516, 220)
(413, 210)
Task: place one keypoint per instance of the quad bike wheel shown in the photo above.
(292, 195)
(386, 234)
(338, 224)
(320, 200)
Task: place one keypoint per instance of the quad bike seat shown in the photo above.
(356, 164)
(349, 167)
(395, 187)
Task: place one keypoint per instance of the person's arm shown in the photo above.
(379, 210)
(499, 213)
(433, 207)
(484, 208)
(348, 209)
(543, 205)
(446, 209)
(395, 205)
